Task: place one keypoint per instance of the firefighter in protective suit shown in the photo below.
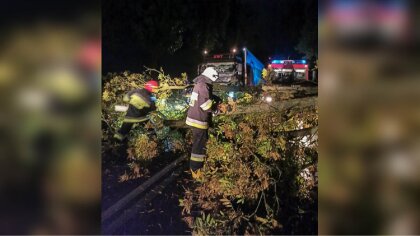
(199, 117)
(140, 105)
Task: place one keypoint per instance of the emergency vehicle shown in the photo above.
(289, 69)
(235, 68)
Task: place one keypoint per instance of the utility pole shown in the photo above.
(245, 73)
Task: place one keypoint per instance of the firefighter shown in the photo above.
(140, 105)
(199, 117)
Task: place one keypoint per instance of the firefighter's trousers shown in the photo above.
(198, 151)
(132, 116)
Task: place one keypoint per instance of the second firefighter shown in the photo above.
(140, 105)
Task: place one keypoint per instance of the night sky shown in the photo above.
(173, 33)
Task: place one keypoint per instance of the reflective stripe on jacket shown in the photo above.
(139, 98)
(199, 112)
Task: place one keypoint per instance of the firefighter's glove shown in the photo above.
(126, 98)
(216, 102)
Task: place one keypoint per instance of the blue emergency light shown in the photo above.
(282, 61)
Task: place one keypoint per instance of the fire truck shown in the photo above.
(289, 70)
(235, 68)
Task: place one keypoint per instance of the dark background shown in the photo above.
(34, 40)
(173, 34)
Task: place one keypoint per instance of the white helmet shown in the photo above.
(211, 73)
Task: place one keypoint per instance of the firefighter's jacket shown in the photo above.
(199, 112)
(141, 105)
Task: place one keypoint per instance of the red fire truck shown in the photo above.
(289, 69)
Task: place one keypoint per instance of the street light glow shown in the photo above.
(234, 50)
(205, 52)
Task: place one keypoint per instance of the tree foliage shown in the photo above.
(253, 172)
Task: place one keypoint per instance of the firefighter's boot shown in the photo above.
(119, 137)
(196, 174)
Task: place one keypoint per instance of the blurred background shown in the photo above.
(50, 57)
(369, 117)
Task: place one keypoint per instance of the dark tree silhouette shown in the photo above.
(173, 34)
(308, 43)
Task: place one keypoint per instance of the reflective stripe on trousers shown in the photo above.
(198, 157)
(129, 119)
